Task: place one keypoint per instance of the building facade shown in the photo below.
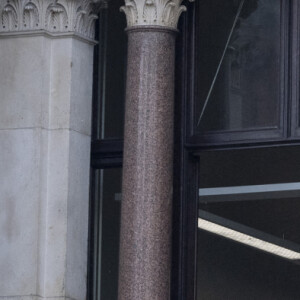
(47, 79)
(131, 160)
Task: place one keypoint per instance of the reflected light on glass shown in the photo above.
(247, 240)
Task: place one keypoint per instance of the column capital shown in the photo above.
(52, 16)
(164, 13)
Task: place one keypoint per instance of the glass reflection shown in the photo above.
(246, 92)
(230, 270)
(106, 210)
(248, 226)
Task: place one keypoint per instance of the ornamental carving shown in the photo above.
(55, 16)
(153, 12)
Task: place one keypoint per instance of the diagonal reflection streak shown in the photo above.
(248, 240)
(221, 61)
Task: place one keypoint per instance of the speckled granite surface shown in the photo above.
(145, 253)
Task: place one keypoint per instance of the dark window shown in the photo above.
(106, 153)
(109, 74)
(238, 73)
(248, 220)
(105, 233)
(246, 94)
(243, 83)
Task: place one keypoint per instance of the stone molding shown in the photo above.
(54, 16)
(153, 12)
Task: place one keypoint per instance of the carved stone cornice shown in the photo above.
(153, 12)
(54, 16)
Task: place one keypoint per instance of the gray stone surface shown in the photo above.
(24, 64)
(71, 76)
(19, 210)
(45, 116)
(77, 227)
(33, 297)
(145, 253)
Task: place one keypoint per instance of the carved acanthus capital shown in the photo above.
(153, 12)
(54, 16)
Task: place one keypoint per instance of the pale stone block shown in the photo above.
(46, 83)
(33, 298)
(53, 225)
(60, 84)
(19, 209)
(24, 81)
(20, 298)
(64, 215)
(81, 91)
(78, 213)
(71, 85)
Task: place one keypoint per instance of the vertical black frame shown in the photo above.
(294, 73)
(183, 283)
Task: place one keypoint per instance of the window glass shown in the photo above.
(230, 270)
(105, 236)
(248, 224)
(246, 93)
(110, 68)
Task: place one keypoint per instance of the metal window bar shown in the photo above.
(249, 192)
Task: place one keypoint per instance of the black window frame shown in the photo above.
(295, 71)
(289, 121)
(189, 146)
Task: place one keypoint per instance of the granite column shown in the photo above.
(145, 251)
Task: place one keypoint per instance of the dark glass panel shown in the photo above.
(246, 94)
(110, 60)
(251, 194)
(249, 167)
(278, 217)
(229, 270)
(116, 69)
(106, 233)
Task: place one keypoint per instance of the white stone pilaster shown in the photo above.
(45, 121)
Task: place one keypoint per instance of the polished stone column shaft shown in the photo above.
(145, 253)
